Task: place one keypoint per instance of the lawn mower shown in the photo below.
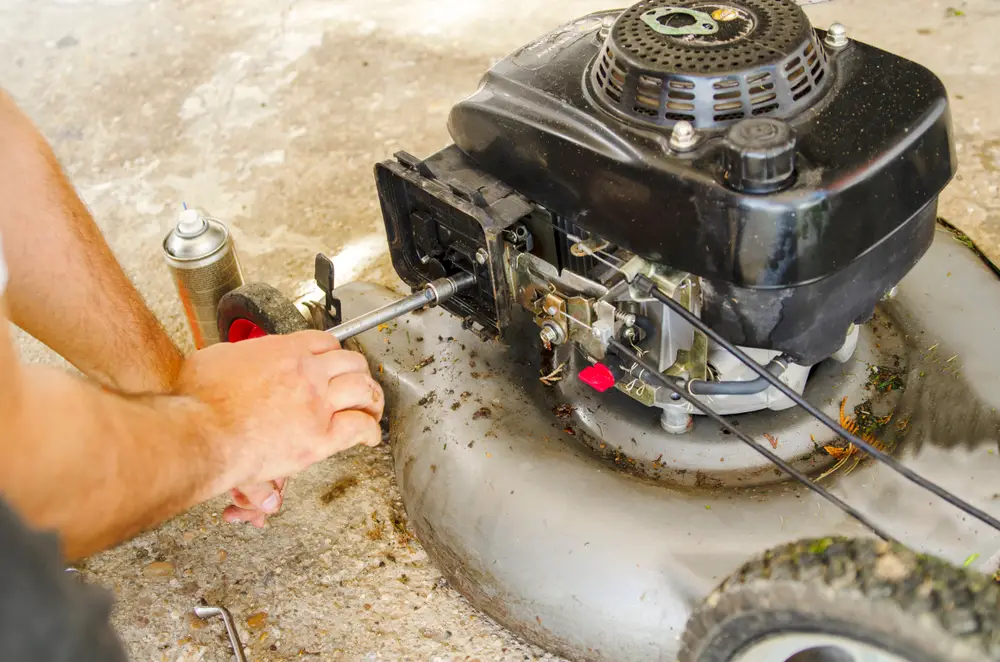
(716, 384)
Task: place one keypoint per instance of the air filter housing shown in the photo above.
(710, 63)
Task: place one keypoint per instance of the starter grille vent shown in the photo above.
(766, 62)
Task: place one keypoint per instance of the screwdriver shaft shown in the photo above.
(432, 293)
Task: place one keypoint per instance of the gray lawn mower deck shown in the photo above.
(600, 553)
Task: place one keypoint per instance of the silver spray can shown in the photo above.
(203, 262)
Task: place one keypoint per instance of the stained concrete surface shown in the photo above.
(270, 114)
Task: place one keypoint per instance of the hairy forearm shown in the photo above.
(100, 467)
(66, 287)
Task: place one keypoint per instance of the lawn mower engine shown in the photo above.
(779, 181)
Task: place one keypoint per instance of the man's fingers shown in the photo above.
(331, 365)
(316, 342)
(235, 515)
(265, 497)
(350, 428)
(239, 498)
(356, 391)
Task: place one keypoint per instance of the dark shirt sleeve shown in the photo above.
(45, 614)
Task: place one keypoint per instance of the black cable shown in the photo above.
(652, 374)
(645, 284)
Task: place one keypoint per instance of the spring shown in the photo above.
(627, 318)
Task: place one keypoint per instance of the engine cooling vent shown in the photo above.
(711, 63)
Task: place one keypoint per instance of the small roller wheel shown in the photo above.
(839, 600)
(255, 310)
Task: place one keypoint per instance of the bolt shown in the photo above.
(607, 23)
(675, 419)
(684, 137)
(552, 311)
(549, 334)
(836, 36)
(482, 256)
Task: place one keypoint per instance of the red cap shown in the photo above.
(598, 377)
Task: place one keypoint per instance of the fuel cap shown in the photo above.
(759, 155)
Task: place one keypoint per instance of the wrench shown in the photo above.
(227, 618)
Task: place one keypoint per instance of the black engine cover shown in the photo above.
(788, 270)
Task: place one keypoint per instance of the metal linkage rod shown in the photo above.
(648, 373)
(644, 284)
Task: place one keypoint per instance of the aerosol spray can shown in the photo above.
(202, 259)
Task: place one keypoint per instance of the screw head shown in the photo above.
(684, 137)
(482, 256)
(836, 36)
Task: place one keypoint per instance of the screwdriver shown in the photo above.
(434, 292)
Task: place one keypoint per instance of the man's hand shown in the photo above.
(254, 503)
(280, 404)
(243, 414)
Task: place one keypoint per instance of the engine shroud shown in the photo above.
(789, 270)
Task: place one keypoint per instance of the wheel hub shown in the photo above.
(813, 647)
(244, 329)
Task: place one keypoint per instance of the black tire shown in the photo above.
(263, 305)
(916, 607)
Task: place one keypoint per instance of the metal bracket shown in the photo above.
(703, 23)
(325, 281)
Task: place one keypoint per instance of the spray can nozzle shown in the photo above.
(190, 223)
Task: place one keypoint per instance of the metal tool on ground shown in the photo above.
(227, 618)
(432, 293)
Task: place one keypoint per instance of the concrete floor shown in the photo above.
(270, 115)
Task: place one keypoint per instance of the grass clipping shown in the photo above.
(865, 424)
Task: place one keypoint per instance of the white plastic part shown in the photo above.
(731, 368)
(190, 223)
(844, 354)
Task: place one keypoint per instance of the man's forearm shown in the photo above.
(66, 287)
(127, 462)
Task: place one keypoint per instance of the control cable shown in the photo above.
(648, 372)
(646, 286)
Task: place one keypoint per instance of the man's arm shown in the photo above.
(66, 288)
(98, 466)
